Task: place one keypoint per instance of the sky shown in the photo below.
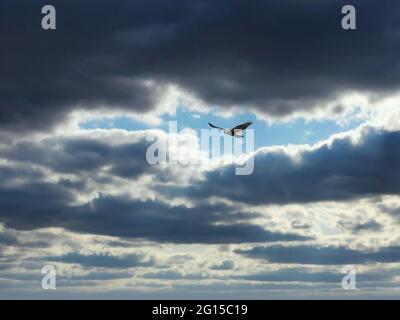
(79, 103)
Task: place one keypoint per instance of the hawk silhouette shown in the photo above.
(234, 132)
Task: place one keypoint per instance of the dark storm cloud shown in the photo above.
(8, 173)
(341, 171)
(330, 255)
(34, 206)
(31, 205)
(278, 56)
(82, 156)
(160, 222)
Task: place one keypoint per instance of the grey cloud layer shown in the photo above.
(329, 255)
(41, 205)
(305, 275)
(83, 156)
(278, 56)
(38, 203)
(341, 171)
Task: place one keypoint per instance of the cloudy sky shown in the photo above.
(78, 103)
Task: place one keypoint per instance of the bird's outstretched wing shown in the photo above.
(212, 126)
(242, 126)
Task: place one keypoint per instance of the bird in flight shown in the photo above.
(234, 132)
